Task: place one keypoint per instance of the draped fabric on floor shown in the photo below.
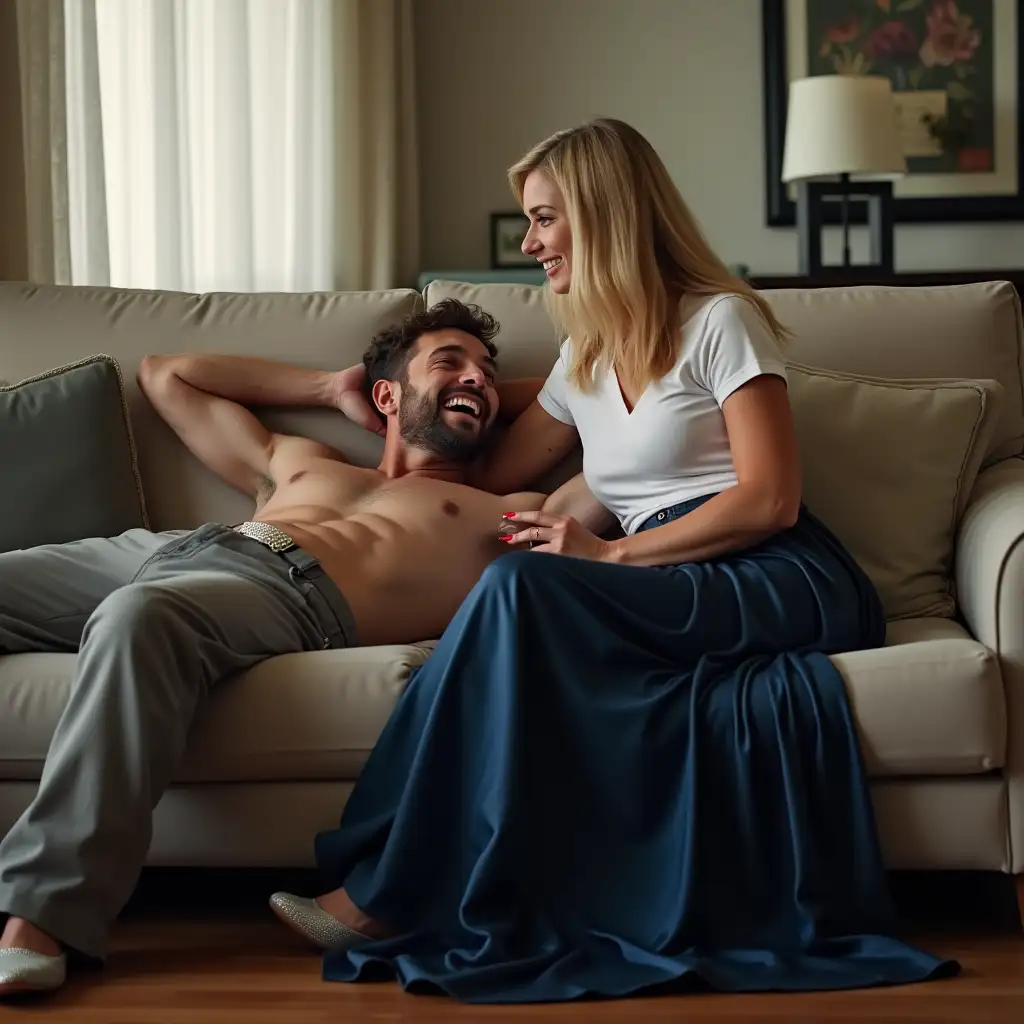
(611, 778)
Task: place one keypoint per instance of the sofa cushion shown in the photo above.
(296, 716)
(963, 331)
(68, 457)
(931, 702)
(301, 716)
(43, 324)
(889, 467)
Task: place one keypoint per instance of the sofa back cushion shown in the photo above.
(969, 331)
(42, 327)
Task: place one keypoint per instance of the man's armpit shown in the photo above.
(265, 487)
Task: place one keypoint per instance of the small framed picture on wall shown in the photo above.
(507, 233)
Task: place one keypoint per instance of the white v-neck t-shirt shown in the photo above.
(673, 446)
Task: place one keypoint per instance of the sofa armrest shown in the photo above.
(989, 567)
(990, 558)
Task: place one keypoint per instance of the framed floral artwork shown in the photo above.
(955, 68)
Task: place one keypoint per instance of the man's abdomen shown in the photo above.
(403, 585)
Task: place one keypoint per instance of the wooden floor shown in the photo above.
(214, 956)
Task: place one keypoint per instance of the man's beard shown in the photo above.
(421, 425)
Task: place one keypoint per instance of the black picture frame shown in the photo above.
(500, 260)
(781, 210)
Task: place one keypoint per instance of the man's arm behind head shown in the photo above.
(203, 399)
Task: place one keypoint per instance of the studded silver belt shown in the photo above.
(268, 535)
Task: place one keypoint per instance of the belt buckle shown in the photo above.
(269, 536)
(281, 542)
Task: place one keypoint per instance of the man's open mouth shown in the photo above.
(468, 405)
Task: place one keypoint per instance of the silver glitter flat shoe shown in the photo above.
(312, 922)
(22, 970)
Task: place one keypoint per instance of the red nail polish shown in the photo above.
(509, 515)
(507, 540)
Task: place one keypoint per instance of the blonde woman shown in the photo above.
(629, 762)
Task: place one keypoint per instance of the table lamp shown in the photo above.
(838, 126)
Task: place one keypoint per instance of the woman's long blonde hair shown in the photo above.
(637, 250)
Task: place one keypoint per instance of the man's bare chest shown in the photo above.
(434, 504)
(411, 501)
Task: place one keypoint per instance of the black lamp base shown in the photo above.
(810, 199)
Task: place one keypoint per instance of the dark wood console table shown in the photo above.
(912, 278)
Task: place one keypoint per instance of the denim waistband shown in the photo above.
(309, 568)
(672, 512)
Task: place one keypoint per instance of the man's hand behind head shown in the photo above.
(350, 398)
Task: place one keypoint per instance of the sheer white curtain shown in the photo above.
(237, 145)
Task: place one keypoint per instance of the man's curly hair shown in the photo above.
(387, 357)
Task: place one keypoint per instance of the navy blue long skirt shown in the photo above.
(612, 779)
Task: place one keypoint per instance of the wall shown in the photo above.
(13, 248)
(495, 76)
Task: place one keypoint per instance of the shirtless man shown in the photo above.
(335, 556)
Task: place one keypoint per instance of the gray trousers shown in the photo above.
(156, 620)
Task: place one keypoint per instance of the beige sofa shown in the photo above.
(940, 708)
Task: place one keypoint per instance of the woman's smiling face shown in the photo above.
(549, 239)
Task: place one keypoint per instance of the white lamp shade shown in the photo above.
(842, 124)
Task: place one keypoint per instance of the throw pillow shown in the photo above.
(888, 466)
(68, 457)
